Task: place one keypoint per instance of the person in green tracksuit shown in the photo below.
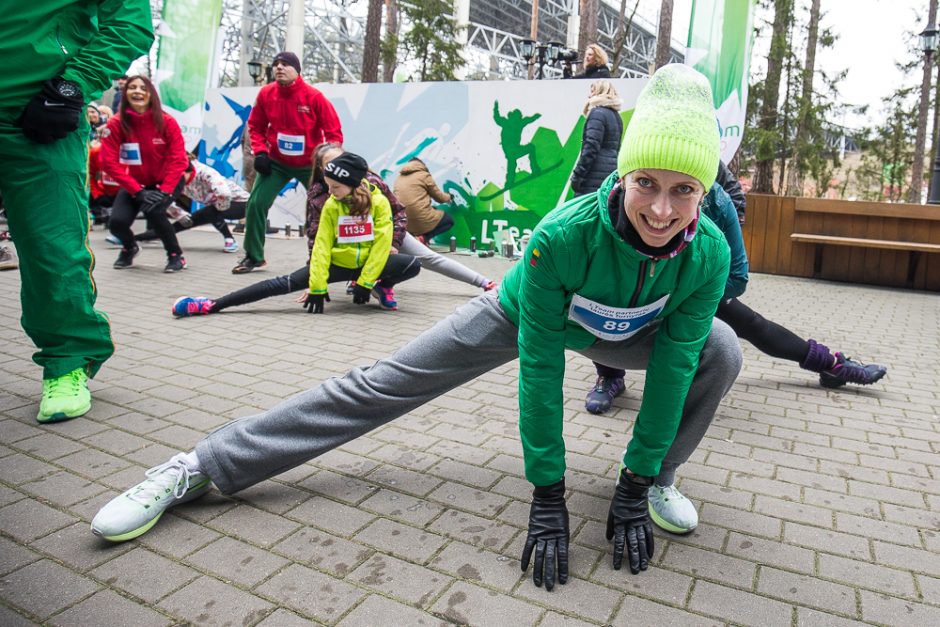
(58, 55)
(629, 277)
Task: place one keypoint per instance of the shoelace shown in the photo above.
(174, 470)
(669, 492)
(72, 379)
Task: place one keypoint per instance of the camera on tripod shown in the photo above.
(568, 58)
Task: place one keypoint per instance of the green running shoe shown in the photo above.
(65, 397)
(671, 510)
(133, 513)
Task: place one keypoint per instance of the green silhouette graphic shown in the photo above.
(510, 137)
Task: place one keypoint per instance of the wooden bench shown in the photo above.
(851, 213)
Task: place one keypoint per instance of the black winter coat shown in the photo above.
(595, 72)
(600, 143)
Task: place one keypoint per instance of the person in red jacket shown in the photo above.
(143, 151)
(289, 120)
(102, 188)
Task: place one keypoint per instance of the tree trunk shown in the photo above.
(371, 46)
(587, 32)
(767, 121)
(623, 27)
(795, 175)
(664, 35)
(390, 58)
(917, 169)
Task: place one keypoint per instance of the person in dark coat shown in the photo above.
(600, 139)
(730, 184)
(595, 63)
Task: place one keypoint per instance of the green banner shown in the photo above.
(187, 38)
(719, 46)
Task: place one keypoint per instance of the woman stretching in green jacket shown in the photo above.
(629, 278)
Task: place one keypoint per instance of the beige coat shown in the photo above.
(415, 189)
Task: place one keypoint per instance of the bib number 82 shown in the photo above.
(611, 325)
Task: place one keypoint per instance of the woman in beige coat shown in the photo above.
(415, 189)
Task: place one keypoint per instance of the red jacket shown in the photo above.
(289, 122)
(99, 183)
(144, 157)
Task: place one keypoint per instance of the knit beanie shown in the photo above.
(673, 126)
(348, 169)
(289, 58)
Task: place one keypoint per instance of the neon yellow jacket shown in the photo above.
(370, 256)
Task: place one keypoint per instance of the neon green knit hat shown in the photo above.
(673, 126)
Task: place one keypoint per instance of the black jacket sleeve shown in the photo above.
(730, 184)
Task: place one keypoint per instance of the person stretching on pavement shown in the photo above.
(290, 118)
(630, 277)
(58, 55)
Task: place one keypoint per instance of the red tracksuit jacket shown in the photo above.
(289, 122)
(144, 157)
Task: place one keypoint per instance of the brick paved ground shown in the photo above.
(817, 507)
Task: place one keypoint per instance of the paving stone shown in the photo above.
(880, 608)
(10, 618)
(797, 512)
(403, 480)
(828, 541)
(376, 610)
(479, 566)
(313, 547)
(242, 563)
(468, 499)
(348, 463)
(739, 520)
(482, 532)
(48, 446)
(78, 548)
(771, 553)
(273, 496)
(93, 464)
(108, 608)
(19, 468)
(401, 540)
(28, 519)
(842, 502)
(806, 617)
(465, 473)
(467, 604)
(331, 516)
(284, 618)
(144, 574)
(117, 442)
(310, 592)
(254, 525)
(43, 588)
(807, 590)
(15, 431)
(349, 490)
(397, 578)
(207, 601)
(13, 556)
(739, 607)
(639, 611)
(406, 508)
(866, 575)
(877, 529)
(709, 565)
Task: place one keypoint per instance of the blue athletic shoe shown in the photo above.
(193, 306)
(386, 296)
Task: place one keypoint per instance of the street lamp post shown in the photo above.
(255, 69)
(543, 53)
(928, 43)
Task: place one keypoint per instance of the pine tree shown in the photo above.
(431, 39)
(767, 138)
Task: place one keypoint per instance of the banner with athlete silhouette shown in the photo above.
(504, 150)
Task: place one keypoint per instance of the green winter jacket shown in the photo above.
(575, 250)
(369, 255)
(90, 42)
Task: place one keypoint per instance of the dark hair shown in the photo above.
(316, 174)
(361, 201)
(156, 108)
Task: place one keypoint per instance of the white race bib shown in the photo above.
(130, 154)
(290, 145)
(351, 229)
(613, 323)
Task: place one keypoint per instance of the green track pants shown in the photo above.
(46, 197)
(265, 190)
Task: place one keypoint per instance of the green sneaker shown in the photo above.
(65, 397)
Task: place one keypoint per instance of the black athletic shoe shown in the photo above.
(848, 370)
(174, 263)
(248, 264)
(126, 258)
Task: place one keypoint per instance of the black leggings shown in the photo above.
(398, 268)
(207, 215)
(769, 337)
(445, 224)
(124, 211)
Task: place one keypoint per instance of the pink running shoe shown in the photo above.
(386, 296)
(193, 306)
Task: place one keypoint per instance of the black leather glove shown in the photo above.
(153, 200)
(314, 303)
(263, 163)
(54, 112)
(548, 535)
(628, 521)
(361, 294)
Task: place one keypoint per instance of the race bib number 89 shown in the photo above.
(613, 323)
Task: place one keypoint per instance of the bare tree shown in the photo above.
(589, 11)
(371, 46)
(917, 171)
(768, 139)
(795, 174)
(623, 27)
(664, 34)
(390, 43)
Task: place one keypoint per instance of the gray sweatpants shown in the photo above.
(473, 340)
(434, 262)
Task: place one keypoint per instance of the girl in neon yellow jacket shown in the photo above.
(354, 241)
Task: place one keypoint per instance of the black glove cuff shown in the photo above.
(635, 485)
(555, 490)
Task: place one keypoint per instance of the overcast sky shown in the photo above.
(871, 38)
